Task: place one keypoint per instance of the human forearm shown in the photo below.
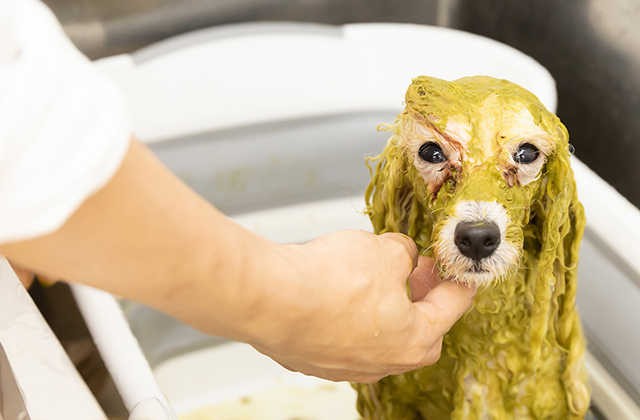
(148, 237)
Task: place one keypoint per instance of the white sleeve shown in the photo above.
(8, 47)
(64, 129)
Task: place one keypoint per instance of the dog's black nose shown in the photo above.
(477, 240)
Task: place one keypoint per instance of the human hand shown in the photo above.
(27, 276)
(345, 314)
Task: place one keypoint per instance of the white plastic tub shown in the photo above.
(272, 123)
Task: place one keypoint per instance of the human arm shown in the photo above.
(335, 307)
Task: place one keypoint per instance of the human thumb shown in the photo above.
(424, 278)
(445, 304)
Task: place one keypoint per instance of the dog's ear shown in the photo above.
(561, 224)
(390, 193)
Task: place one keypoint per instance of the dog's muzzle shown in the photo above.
(477, 240)
(472, 245)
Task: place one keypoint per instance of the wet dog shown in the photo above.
(477, 172)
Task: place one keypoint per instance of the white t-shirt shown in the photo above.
(64, 128)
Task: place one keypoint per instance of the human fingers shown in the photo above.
(399, 245)
(433, 355)
(424, 278)
(25, 276)
(335, 373)
(339, 375)
(444, 305)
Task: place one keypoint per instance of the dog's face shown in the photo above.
(479, 155)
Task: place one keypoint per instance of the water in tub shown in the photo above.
(284, 403)
(235, 382)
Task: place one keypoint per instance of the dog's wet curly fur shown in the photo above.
(482, 152)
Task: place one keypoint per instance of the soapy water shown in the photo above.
(330, 401)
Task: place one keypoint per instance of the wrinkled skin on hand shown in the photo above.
(350, 318)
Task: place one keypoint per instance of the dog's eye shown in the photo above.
(526, 153)
(431, 153)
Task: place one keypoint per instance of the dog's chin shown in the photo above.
(476, 274)
(474, 277)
